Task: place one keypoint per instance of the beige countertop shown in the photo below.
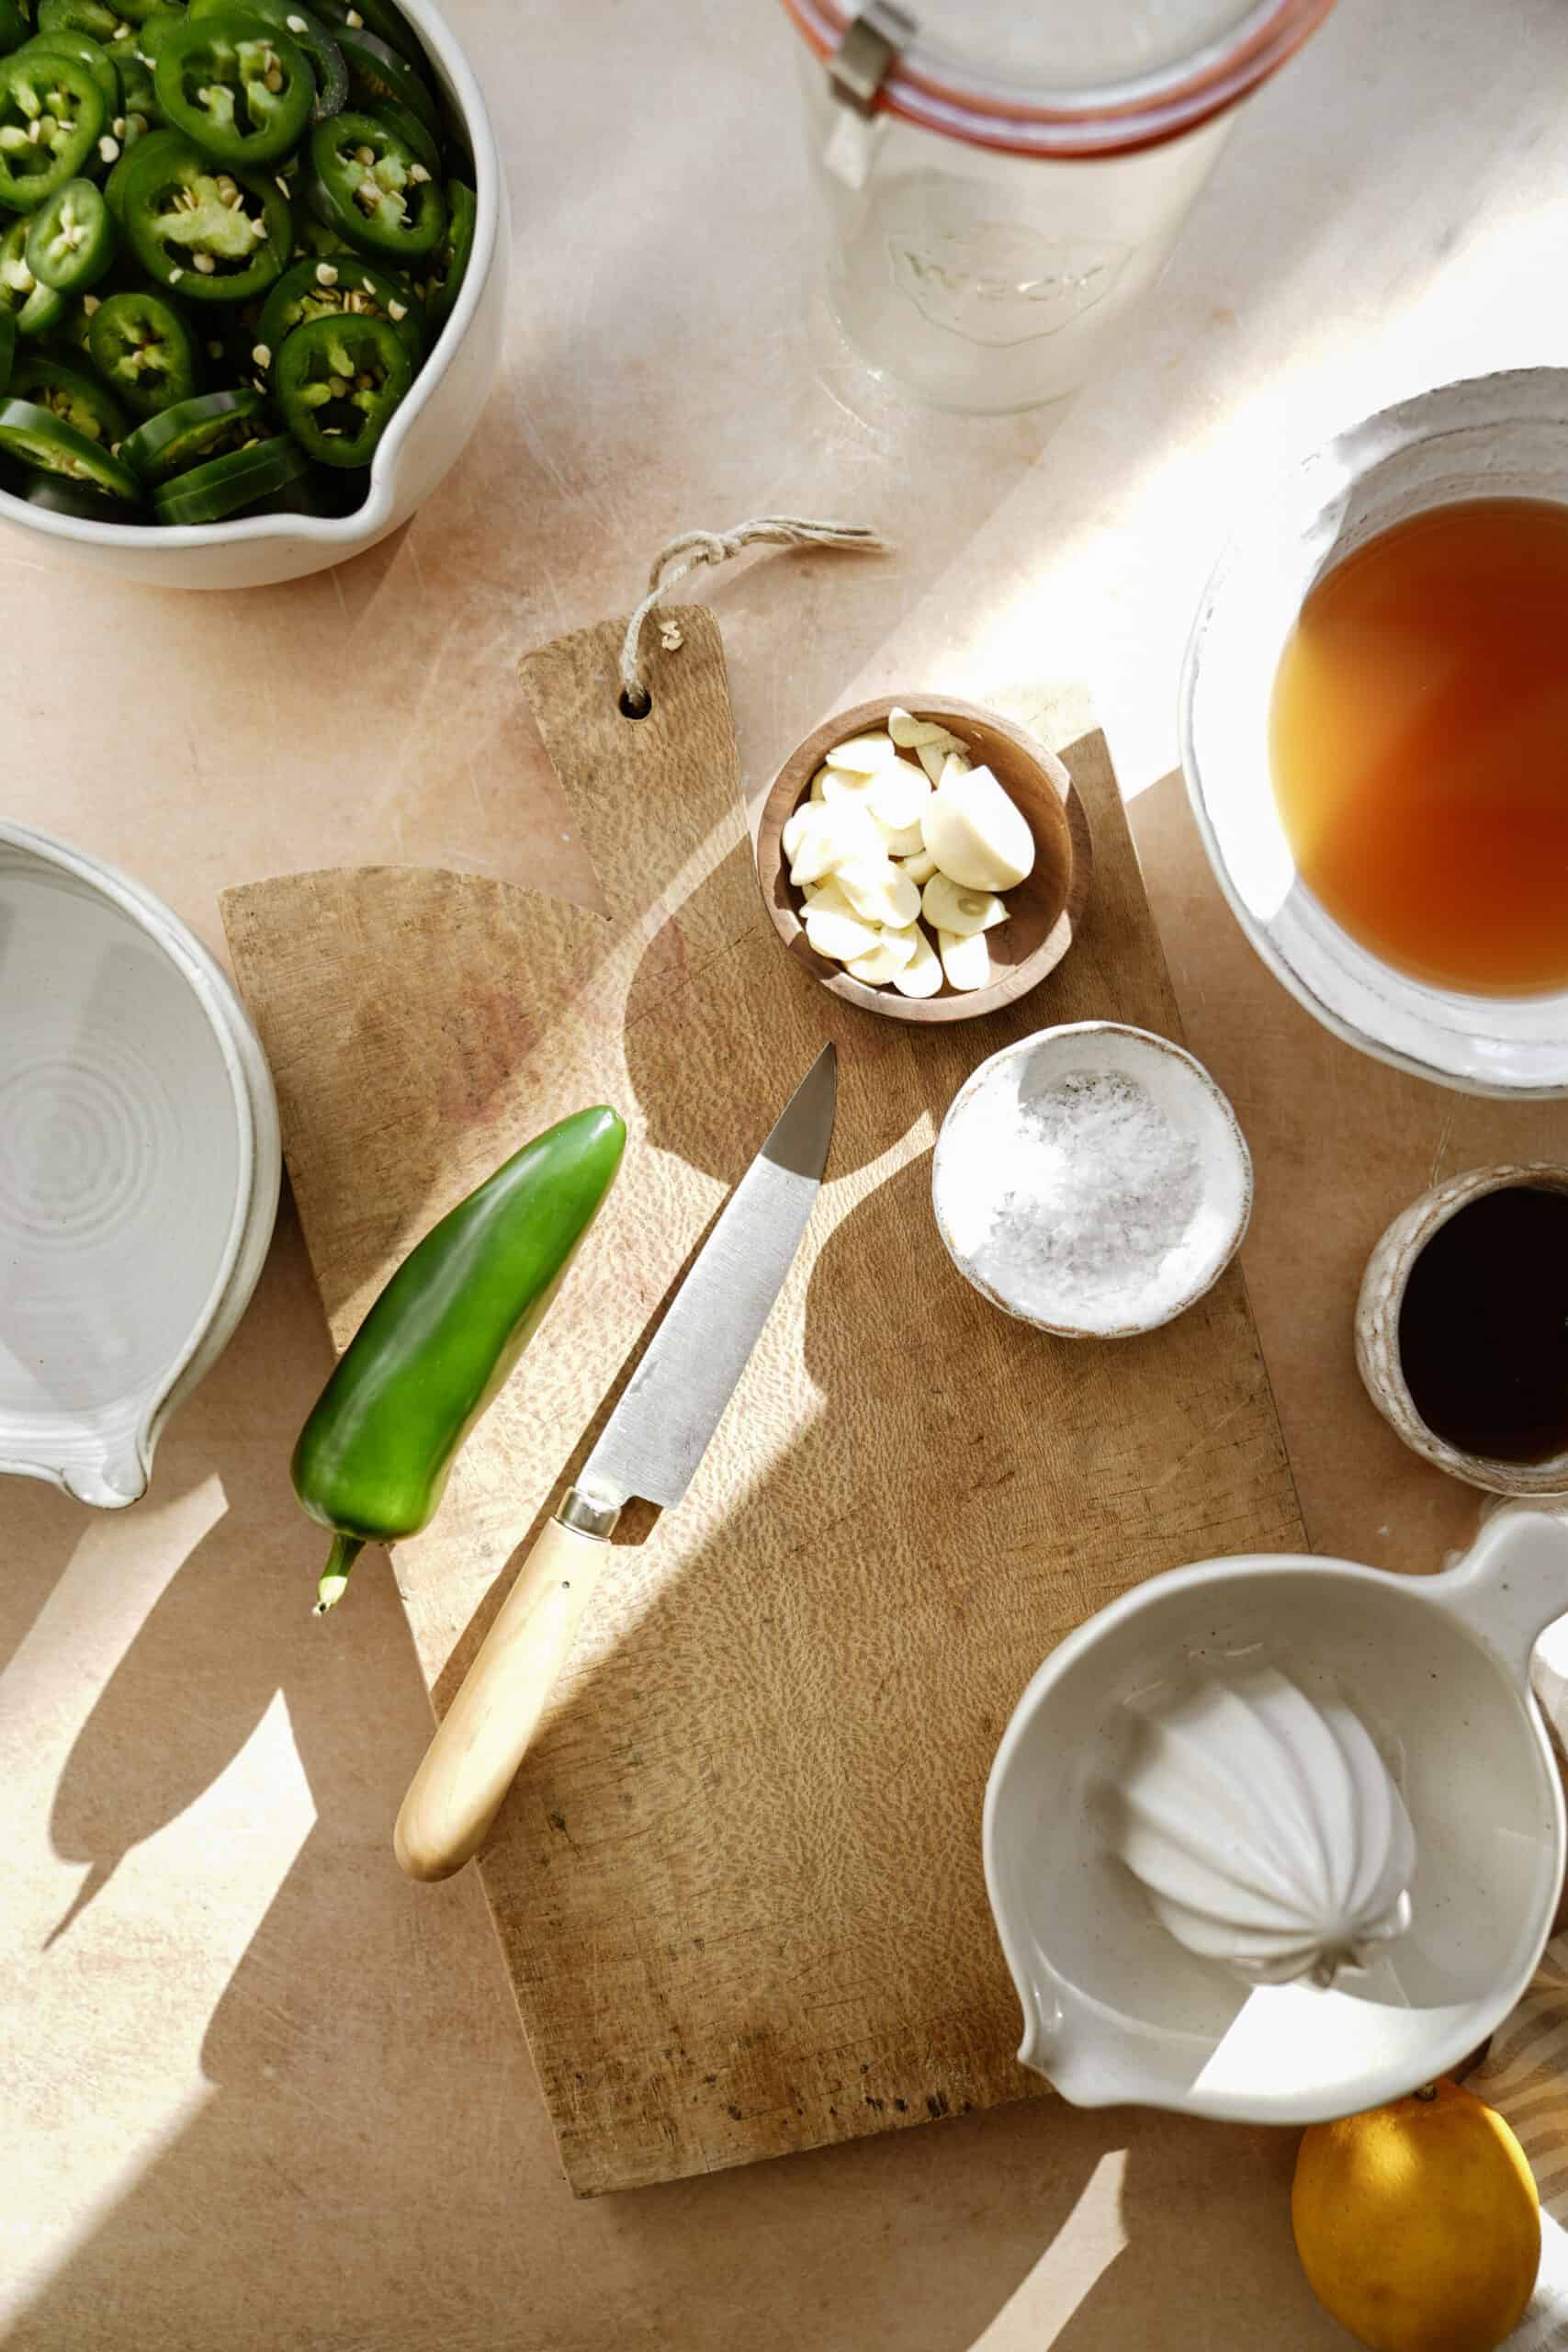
(260, 2092)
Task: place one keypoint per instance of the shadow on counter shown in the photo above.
(373, 2163)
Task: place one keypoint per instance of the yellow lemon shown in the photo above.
(1418, 2224)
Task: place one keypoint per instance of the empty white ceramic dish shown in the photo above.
(424, 438)
(1493, 436)
(139, 1168)
(1437, 1669)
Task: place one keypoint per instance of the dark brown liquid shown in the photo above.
(1484, 1329)
(1418, 737)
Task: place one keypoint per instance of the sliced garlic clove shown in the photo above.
(948, 907)
(830, 835)
(864, 754)
(797, 827)
(978, 837)
(828, 896)
(910, 733)
(910, 841)
(899, 793)
(883, 962)
(921, 867)
(921, 975)
(839, 937)
(905, 901)
(848, 787)
(811, 863)
(880, 892)
(966, 958)
(813, 860)
(817, 783)
(934, 758)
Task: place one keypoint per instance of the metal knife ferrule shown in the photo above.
(589, 1517)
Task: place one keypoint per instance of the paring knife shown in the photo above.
(650, 1446)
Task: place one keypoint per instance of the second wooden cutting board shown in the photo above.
(738, 1885)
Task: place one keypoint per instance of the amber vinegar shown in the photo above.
(1418, 740)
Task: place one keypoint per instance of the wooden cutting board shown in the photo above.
(737, 1886)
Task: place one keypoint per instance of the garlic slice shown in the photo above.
(921, 975)
(883, 962)
(813, 860)
(848, 786)
(817, 783)
(837, 936)
(978, 836)
(823, 836)
(920, 868)
(910, 733)
(947, 907)
(934, 757)
(796, 828)
(864, 754)
(880, 892)
(899, 793)
(966, 958)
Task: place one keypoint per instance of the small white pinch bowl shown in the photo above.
(1183, 1090)
(422, 443)
(139, 1166)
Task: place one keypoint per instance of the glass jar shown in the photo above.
(1005, 180)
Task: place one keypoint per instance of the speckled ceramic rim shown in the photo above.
(354, 532)
(251, 1100)
(1378, 1311)
(1207, 1085)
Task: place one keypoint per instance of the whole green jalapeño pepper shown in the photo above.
(441, 1340)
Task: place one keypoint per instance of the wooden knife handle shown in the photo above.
(469, 1764)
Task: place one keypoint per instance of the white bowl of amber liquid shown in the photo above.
(1374, 730)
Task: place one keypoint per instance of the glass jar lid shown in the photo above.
(1054, 77)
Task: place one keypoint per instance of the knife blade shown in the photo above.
(658, 1435)
(650, 1446)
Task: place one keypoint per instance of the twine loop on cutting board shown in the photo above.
(716, 547)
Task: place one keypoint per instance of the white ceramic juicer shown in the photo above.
(1276, 1838)
(1265, 1828)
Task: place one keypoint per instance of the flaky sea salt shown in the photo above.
(1076, 1203)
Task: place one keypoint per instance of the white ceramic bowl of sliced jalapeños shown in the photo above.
(426, 432)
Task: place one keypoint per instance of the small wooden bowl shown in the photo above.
(1045, 910)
